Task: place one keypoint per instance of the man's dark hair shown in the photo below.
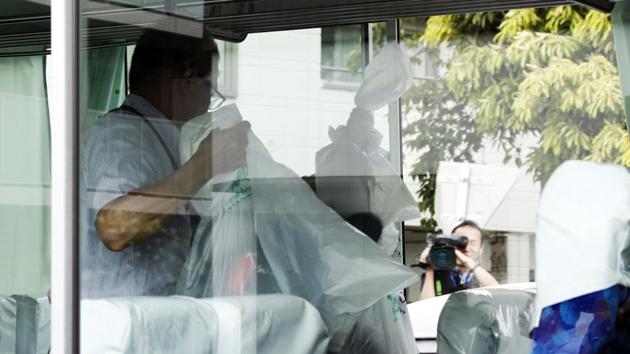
(158, 52)
(469, 223)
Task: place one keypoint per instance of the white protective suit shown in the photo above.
(354, 176)
(355, 153)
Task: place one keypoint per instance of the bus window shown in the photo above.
(240, 176)
(253, 186)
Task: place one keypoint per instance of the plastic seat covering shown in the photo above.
(486, 321)
(24, 325)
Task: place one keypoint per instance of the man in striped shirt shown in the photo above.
(135, 215)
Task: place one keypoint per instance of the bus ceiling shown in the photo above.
(25, 24)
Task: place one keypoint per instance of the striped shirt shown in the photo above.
(121, 153)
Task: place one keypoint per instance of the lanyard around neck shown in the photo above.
(194, 217)
(468, 278)
(134, 111)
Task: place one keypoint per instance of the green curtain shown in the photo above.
(24, 177)
(25, 158)
(103, 74)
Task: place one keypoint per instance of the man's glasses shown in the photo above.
(216, 99)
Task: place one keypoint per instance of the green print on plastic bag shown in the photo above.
(395, 303)
(241, 189)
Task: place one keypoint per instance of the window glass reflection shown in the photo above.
(277, 207)
(505, 107)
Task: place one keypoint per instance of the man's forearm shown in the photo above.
(428, 288)
(484, 278)
(143, 212)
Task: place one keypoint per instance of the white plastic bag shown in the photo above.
(222, 261)
(386, 78)
(229, 248)
(355, 152)
(309, 250)
(367, 183)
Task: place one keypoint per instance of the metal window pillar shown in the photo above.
(395, 131)
(64, 126)
(621, 32)
(394, 110)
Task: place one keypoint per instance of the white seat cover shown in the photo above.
(583, 231)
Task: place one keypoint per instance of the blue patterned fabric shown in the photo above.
(584, 325)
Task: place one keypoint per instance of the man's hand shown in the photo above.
(483, 277)
(223, 150)
(465, 260)
(424, 255)
(428, 288)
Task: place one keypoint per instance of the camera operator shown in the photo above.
(468, 273)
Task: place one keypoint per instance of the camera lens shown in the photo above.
(442, 259)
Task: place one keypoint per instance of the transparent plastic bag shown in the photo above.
(386, 78)
(303, 247)
(222, 260)
(355, 153)
(229, 251)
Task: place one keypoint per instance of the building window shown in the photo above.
(341, 61)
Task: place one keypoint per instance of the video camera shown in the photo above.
(442, 253)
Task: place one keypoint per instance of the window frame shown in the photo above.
(65, 44)
(64, 127)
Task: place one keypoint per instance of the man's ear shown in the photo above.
(190, 72)
(187, 80)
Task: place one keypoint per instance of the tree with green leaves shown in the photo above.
(546, 74)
